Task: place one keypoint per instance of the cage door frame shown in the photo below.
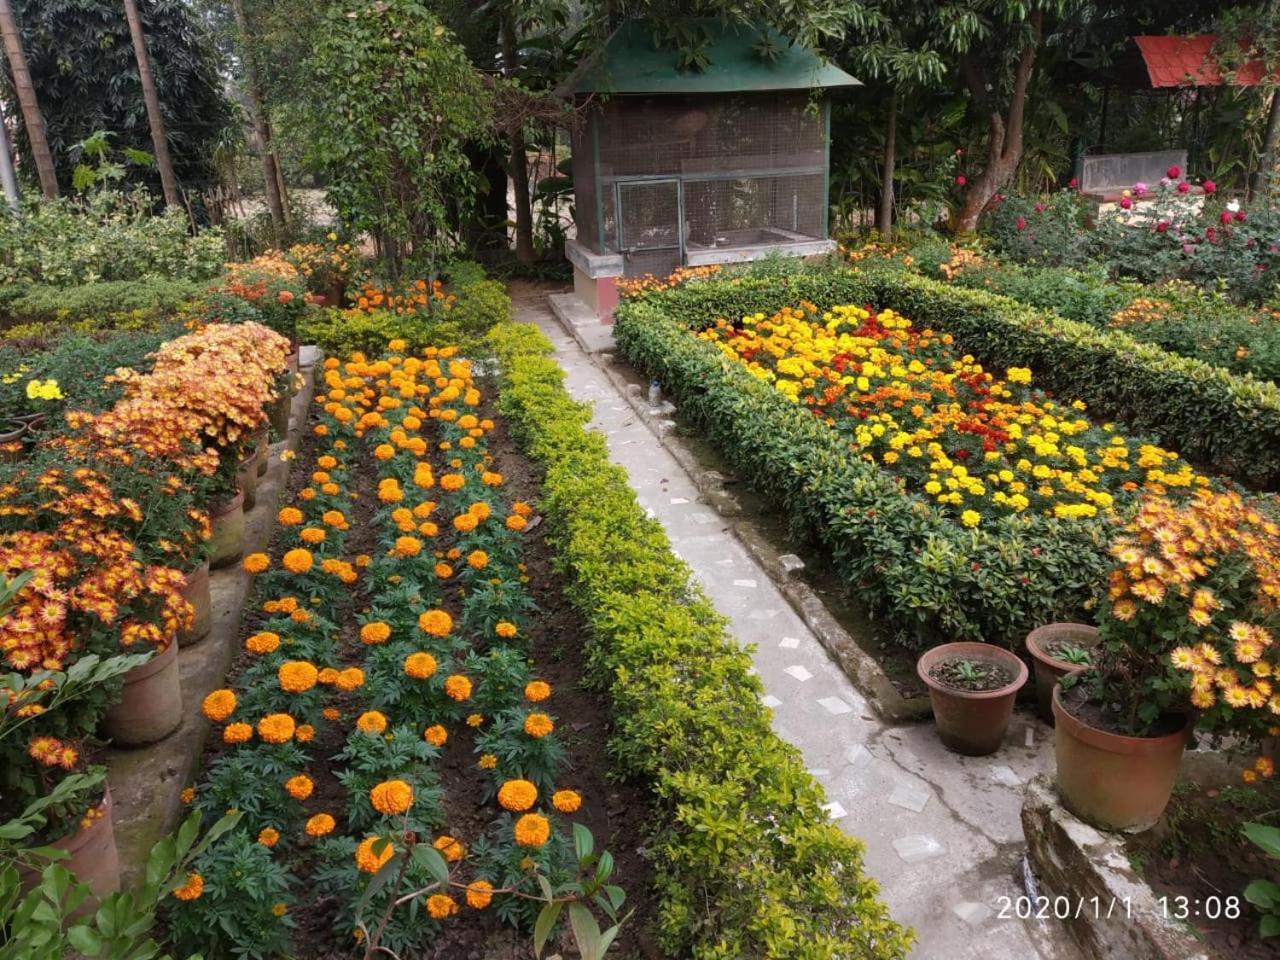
(658, 179)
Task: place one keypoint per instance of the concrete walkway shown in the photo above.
(942, 832)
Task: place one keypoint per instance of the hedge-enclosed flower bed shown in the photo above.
(748, 864)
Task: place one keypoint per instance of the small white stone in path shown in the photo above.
(799, 672)
(908, 796)
(623, 443)
(789, 643)
(834, 810)
(819, 772)
(972, 912)
(1005, 775)
(676, 501)
(763, 614)
(917, 847)
(745, 583)
(1031, 736)
(726, 562)
(703, 518)
(770, 701)
(648, 512)
(857, 756)
(835, 706)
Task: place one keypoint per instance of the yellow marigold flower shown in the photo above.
(505, 629)
(256, 563)
(297, 676)
(297, 560)
(374, 632)
(517, 795)
(370, 862)
(436, 735)
(261, 643)
(441, 905)
(237, 733)
(191, 889)
(538, 725)
(487, 761)
(289, 516)
(276, 728)
(268, 836)
(321, 825)
(475, 719)
(532, 830)
(188, 794)
(450, 848)
(479, 894)
(420, 665)
(391, 797)
(566, 801)
(477, 559)
(312, 535)
(349, 679)
(537, 690)
(299, 787)
(457, 687)
(279, 910)
(436, 623)
(371, 721)
(219, 705)
(970, 518)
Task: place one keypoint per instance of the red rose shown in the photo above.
(1224, 216)
(1162, 226)
(961, 180)
(1125, 203)
(1073, 183)
(1183, 186)
(1174, 172)
(1239, 216)
(1022, 223)
(1208, 187)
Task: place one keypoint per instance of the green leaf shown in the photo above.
(583, 842)
(586, 931)
(84, 940)
(429, 859)
(1270, 925)
(1263, 893)
(543, 926)
(1263, 836)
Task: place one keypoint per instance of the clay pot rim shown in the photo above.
(224, 507)
(11, 435)
(1120, 743)
(77, 839)
(1043, 634)
(969, 648)
(154, 665)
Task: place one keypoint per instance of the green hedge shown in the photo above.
(1223, 423)
(747, 862)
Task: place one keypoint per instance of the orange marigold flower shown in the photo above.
(268, 836)
(367, 860)
(188, 794)
(237, 733)
(326, 462)
(298, 560)
(256, 563)
(312, 535)
(321, 825)
(436, 735)
(538, 725)
(375, 632)
(457, 687)
(384, 451)
(299, 786)
(331, 714)
(408, 546)
(475, 719)
(276, 728)
(566, 801)
(219, 705)
(436, 623)
(537, 690)
(464, 522)
(264, 642)
(532, 830)
(391, 797)
(516, 523)
(191, 889)
(453, 481)
(505, 629)
(420, 665)
(477, 559)
(479, 894)
(305, 733)
(443, 571)
(450, 848)
(517, 795)
(289, 516)
(487, 761)
(334, 518)
(371, 721)
(441, 905)
(297, 676)
(480, 510)
(349, 679)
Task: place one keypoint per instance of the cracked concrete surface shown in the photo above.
(942, 832)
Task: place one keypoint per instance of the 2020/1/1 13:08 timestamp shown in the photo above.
(1101, 908)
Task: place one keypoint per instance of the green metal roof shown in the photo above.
(631, 64)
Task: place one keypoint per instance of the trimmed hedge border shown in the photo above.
(747, 862)
(1229, 424)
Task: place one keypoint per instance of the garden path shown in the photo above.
(942, 832)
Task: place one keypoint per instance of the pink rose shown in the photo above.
(1073, 183)
(1224, 216)
(961, 180)
(1140, 188)
(1240, 216)
(1039, 208)
(1187, 248)
(1022, 223)
(1162, 226)
(1125, 203)
(1174, 172)
(1183, 186)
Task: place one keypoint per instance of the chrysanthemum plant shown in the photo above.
(1190, 617)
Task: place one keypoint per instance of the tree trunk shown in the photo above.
(884, 218)
(1004, 135)
(32, 119)
(168, 182)
(1267, 157)
(257, 114)
(519, 155)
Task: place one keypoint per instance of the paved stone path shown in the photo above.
(942, 832)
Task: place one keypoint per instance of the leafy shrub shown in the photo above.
(1048, 230)
(341, 332)
(104, 305)
(747, 862)
(481, 304)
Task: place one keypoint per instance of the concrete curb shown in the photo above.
(147, 783)
(840, 645)
(1113, 913)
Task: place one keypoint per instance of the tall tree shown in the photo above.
(32, 119)
(519, 165)
(164, 163)
(261, 125)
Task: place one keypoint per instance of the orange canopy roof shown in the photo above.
(1189, 62)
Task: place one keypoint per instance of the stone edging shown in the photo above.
(857, 664)
(1114, 914)
(147, 782)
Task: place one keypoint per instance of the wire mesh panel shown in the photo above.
(750, 211)
(586, 202)
(649, 211)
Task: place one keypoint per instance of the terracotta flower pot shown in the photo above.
(263, 445)
(196, 593)
(247, 479)
(1111, 780)
(292, 360)
(972, 722)
(227, 542)
(151, 707)
(1049, 669)
(91, 855)
(12, 449)
(278, 413)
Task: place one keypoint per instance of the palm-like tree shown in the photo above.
(168, 181)
(32, 119)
